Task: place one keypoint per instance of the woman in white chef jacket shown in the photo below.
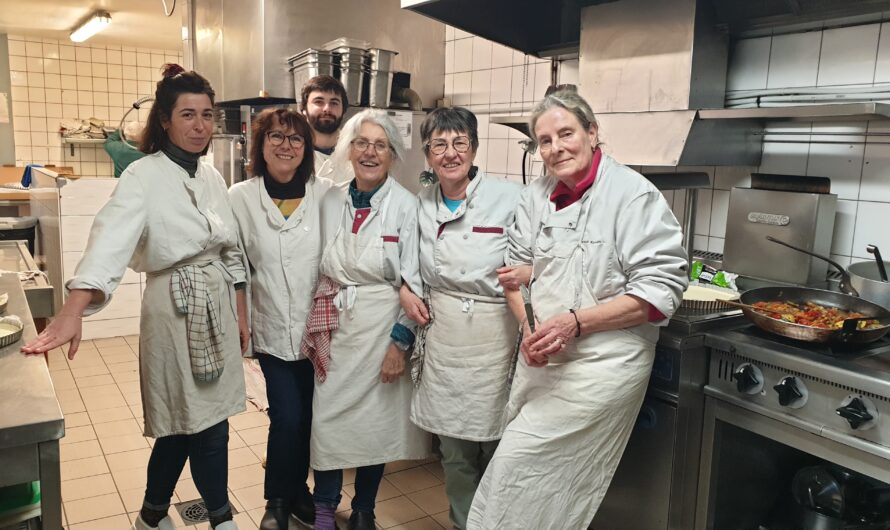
(608, 268)
(464, 357)
(170, 218)
(278, 219)
(360, 412)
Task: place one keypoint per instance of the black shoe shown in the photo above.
(303, 510)
(276, 516)
(361, 521)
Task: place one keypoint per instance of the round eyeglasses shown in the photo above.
(276, 138)
(461, 144)
(360, 144)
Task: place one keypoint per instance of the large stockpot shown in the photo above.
(801, 295)
(865, 279)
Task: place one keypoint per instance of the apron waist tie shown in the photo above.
(345, 299)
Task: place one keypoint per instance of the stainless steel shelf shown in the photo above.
(826, 112)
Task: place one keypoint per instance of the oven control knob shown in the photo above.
(859, 412)
(748, 379)
(792, 392)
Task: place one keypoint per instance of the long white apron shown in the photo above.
(356, 419)
(464, 388)
(173, 402)
(570, 420)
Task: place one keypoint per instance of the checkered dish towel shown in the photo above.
(191, 298)
(323, 318)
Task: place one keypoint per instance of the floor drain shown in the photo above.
(194, 512)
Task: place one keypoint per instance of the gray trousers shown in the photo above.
(464, 463)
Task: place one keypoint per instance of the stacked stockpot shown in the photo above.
(366, 72)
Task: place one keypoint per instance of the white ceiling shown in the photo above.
(140, 23)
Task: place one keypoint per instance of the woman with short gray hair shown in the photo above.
(463, 359)
(608, 269)
(361, 403)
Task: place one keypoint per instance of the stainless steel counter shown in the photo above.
(31, 421)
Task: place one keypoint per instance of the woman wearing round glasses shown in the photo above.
(278, 219)
(361, 404)
(465, 354)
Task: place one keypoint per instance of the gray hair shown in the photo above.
(567, 99)
(353, 126)
(450, 119)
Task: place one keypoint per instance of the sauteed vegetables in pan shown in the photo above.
(810, 314)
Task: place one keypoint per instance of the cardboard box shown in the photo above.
(14, 173)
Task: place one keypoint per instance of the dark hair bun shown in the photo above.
(171, 70)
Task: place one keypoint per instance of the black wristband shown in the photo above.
(577, 323)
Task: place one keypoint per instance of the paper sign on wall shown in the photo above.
(402, 119)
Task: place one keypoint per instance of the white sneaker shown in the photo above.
(164, 524)
(228, 525)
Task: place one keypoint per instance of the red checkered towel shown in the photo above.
(323, 318)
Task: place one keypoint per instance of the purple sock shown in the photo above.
(324, 517)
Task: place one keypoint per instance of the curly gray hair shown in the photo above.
(351, 129)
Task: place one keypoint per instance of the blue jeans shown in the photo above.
(367, 480)
(289, 387)
(208, 455)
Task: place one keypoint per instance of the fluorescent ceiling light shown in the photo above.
(94, 25)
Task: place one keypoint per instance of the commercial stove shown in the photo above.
(774, 406)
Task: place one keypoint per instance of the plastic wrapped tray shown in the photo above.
(708, 305)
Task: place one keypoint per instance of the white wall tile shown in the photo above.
(749, 64)
(462, 88)
(463, 56)
(794, 60)
(16, 47)
(703, 211)
(449, 59)
(782, 157)
(844, 224)
(719, 211)
(501, 56)
(481, 87)
(496, 159)
(481, 53)
(568, 72)
(871, 227)
(501, 79)
(841, 162)
(848, 55)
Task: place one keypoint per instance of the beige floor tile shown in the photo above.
(186, 490)
(124, 376)
(58, 364)
(254, 435)
(132, 499)
(249, 420)
(258, 449)
(84, 467)
(241, 457)
(117, 428)
(115, 350)
(386, 491)
(443, 519)
(432, 500)
(63, 380)
(110, 342)
(246, 476)
(133, 398)
(401, 465)
(257, 514)
(76, 419)
(119, 368)
(349, 476)
(129, 479)
(81, 488)
(78, 434)
(94, 381)
(136, 410)
(244, 521)
(128, 459)
(115, 522)
(427, 523)
(132, 339)
(104, 402)
(112, 414)
(345, 503)
(250, 497)
(88, 371)
(72, 405)
(414, 479)
(109, 388)
(436, 469)
(93, 508)
(129, 387)
(395, 511)
(86, 359)
(123, 357)
(119, 444)
(79, 450)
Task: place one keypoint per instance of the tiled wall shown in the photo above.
(54, 79)
(489, 78)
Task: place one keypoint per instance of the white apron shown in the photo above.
(173, 402)
(464, 388)
(570, 420)
(356, 419)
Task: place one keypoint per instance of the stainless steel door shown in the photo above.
(638, 496)
(226, 151)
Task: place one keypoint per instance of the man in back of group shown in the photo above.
(323, 103)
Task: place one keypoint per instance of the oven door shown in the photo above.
(749, 458)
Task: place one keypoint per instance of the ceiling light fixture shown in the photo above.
(94, 25)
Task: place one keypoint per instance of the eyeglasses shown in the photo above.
(461, 144)
(276, 138)
(360, 144)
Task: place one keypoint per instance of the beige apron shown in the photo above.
(464, 388)
(173, 402)
(356, 419)
(570, 420)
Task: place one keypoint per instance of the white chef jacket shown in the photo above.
(399, 230)
(472, 243)
(324, 167)
(157, 217)
(641, 254)
(283, 255)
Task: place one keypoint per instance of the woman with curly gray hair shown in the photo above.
(362, 400)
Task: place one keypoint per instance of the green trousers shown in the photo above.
(464, 463)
